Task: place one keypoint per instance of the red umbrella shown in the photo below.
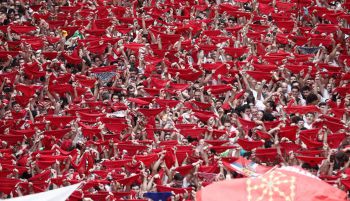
(280, 184)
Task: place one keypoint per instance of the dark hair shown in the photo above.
(305, 88)
(322, 104)
(295, 87)
(178, 177)
(311, 98)
(271, 104)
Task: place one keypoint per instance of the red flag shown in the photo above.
(288, 183)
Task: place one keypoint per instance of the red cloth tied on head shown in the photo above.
(249, 145)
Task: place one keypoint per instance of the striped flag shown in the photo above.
(247, 167)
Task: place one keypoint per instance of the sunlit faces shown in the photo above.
(284, 87)
(17, 107)
(310, 117)
(295, 92)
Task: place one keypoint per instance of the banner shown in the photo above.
(60, 194)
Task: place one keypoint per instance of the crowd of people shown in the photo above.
(133, 97)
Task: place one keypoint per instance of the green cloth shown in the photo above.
(78, 34)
